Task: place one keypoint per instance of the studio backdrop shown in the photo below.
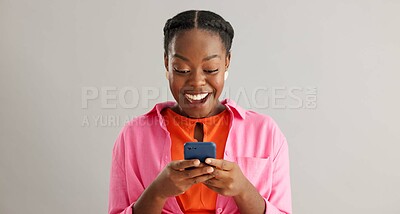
(74, 72)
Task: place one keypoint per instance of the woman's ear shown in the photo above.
(227, 60)
(166, 61)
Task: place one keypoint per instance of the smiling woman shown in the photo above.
(250, 173)
(196, 62)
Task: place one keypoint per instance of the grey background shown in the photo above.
(343, 153)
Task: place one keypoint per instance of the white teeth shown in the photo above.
(196, 96)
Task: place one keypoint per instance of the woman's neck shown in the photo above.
(216, 110)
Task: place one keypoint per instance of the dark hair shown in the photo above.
(201, 19)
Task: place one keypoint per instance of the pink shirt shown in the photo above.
(255, 143)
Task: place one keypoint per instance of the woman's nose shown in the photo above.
(197, 78)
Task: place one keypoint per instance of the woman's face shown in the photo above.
(196, 63)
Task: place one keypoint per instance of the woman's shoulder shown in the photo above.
(248, 116)
(144, 126)
(253, 121)
(254, 116)
(150, 118)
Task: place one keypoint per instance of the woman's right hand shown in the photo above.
(176, 178)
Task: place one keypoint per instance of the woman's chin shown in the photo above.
(197, 112)
(198, 109)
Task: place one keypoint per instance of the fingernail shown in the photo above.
(196, 162)
(208, 160)
(210, 169)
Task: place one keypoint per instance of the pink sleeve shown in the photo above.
(280, 200)
(119, 194)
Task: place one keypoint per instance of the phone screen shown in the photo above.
(199, 150)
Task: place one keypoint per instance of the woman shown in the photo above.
(250, 173)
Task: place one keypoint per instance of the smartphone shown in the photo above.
(199, 150)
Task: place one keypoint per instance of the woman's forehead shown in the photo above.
(197, 42)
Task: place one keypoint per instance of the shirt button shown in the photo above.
(219, 210)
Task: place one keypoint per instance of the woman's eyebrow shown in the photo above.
(180, 57)
(211, 57)
(205, 58)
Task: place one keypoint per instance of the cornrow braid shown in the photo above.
(201, 19)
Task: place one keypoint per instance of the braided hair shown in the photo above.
(201, 19)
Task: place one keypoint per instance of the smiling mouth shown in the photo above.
(197, 98)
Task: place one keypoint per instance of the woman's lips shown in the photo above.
(196, 98)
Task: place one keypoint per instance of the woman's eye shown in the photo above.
(181, 71)
(211, 71)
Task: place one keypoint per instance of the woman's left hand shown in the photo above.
(228, 178)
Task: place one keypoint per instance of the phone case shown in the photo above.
(199, 150)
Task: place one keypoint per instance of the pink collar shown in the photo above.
(230, 105)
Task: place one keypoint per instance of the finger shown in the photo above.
(202, 164)
(221, 174)
(220, 164)
(201, 179)
(215, 183)
(183, 164)
(192, 173)
(210, 186)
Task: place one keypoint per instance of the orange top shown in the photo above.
(198, 198)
